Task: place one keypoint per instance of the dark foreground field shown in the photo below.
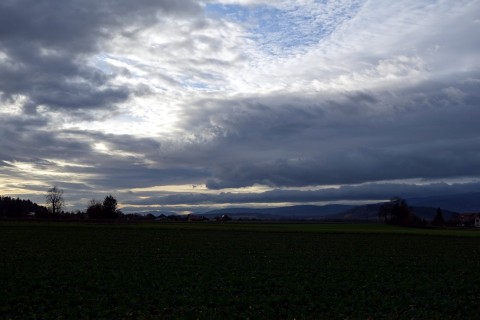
(258, 271)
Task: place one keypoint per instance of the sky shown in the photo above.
(185, 106)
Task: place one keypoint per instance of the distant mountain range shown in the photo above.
(424, 208)
(464, 202)
(370, 212)
(292, 212)
(327, 212)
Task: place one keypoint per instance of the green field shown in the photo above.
(234, 270)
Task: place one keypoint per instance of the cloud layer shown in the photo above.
(280, 97)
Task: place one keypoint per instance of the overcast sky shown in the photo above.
(188, 105)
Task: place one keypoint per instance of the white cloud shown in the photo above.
(248, 2)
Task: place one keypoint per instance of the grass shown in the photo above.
(236, 270)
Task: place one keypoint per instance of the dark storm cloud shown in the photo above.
(47, 44)
(26, 138)
(425, 131)
(129, 161)
(372, 191)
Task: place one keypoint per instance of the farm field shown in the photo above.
(236, 270)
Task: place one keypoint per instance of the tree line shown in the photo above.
(104, 210)
(55, 205)
(395, 212)
(17, 208)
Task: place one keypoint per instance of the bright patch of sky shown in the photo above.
(286, 28)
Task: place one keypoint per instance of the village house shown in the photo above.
(468, 220)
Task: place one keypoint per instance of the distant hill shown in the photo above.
(292, 212)
(464, 202)
(428, 213)
(156, 212)
(365, 212)
(329, 212)
(423, 207)
(370, 212)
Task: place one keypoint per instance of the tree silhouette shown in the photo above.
(110, 207)
(54, 200)
(438, 220)
(396, 211)
(11, 207)
(95, 210)
(106, 210)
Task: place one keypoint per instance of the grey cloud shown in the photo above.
(47, 44)
(366, 192)
(19, 133)
(78, 24)
(133, 162)
(418, 132)
(124, 175)
(277, 141)
(426, 130)
(24, 138)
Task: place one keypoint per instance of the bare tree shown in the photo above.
(54, 199)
